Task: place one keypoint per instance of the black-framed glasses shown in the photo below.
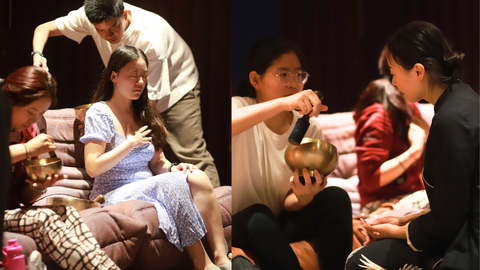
(285, 77)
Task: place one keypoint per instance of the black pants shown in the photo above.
(328, 219)
(391, 254)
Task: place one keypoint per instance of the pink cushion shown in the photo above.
(63, 126)
(338, 129)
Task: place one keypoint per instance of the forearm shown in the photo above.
(96, 164)
(162, 165)
(401, 231)
(246, 117)
(409, 218)
(18, 152)
(42, 33)
(393, 168)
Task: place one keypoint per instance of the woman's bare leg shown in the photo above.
(206, 202)
(199, 256)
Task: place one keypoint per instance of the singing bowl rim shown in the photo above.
(83, 106)
(78, 204)
(32, 166)
(293, 150)
(35, 162)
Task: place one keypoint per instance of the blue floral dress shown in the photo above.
(132, 179)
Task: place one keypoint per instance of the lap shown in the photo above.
(34, 212)
(296, 225)
(305, 223)
(151, 189)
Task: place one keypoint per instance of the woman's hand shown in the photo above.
(139, 138)
(306, 102)
(40, 61)
(398, 221)
(419, 121)
(383, 230)
(386, 227)
(305, 193)
(42, 143)
(417, 136)
(368, 239)
(185, 167)
(48, 182)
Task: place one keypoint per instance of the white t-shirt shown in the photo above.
(168, 80)
(259, 171)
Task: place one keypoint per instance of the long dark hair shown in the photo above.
(383, 92)
(29, 84)
(143, 112)
(422, 42)
(259, 58)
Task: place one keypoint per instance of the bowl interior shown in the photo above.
(39, 169)
(313, 154)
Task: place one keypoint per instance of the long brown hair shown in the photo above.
(383, 92)
(143, 112)
(29, 84)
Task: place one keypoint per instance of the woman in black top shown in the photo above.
(445, 236)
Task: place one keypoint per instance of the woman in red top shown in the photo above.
(390, 138)
(58, 231)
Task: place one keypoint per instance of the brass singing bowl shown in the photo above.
(39, 169)
(313, 154)
(84, 106)
(79, 204)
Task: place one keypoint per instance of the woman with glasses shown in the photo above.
(271, 207)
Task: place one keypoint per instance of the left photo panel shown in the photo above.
(118, 131)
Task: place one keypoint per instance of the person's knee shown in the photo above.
(338, 196)
(264, 224)
(200, 180)
(172, 182)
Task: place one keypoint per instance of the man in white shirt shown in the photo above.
(173, 81)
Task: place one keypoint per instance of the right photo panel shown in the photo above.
(355, 134)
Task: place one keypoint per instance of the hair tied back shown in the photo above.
(455, 56)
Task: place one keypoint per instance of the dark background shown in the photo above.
(205, 26)
(342, 39)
